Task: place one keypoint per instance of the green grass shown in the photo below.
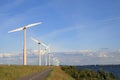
(58, 74)
(87, 74)
(15, 72)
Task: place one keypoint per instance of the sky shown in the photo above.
(68, 25)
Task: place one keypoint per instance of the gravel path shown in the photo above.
(41, 75)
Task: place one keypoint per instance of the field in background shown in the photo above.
(12, 72)
(58, 74)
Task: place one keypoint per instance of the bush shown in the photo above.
(105, 75)
(87, 74)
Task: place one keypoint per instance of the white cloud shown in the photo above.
(35, 52)
(79, 57)
(118, 50)
(103, 55)
(8, 55)
(1, 55)
(93, 53)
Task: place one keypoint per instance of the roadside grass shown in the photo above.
(14, 72)
(58, 74)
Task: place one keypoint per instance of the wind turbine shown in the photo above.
(39, 55)
(45, 51)
(24, 28)
(47, 48)
(49, 55)
(56, 61)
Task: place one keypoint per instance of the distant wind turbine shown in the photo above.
(56, 61)
(49, 55)
(39, 55)
(24, 28)
(46, 48)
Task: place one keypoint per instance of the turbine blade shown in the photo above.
(34, 24)
(18, 29)
(44, 45)
(35, 40)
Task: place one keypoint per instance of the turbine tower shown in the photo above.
(49, 55)
(39, 54)
(24, 47)
(46, 57)
(47, 48)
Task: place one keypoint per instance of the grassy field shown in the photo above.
(14, 72)
(58, 74)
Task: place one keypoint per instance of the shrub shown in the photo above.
(87, 74)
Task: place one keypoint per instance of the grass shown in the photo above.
(87, 74)
(58, 74)
(15, 72)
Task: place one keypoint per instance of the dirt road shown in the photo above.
(41, 75)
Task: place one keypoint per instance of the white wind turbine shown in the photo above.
(45, 54)
(49, 55)
(39, 54)
(56, 61)
(47, 48)
(24, 28)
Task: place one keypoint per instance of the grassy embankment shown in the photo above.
(58, 74)
(71, 73)
(87, 74)
(15, 72)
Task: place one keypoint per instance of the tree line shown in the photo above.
(87, 74)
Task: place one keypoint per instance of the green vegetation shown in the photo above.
(71, 73)
(58, 74)
(16, 72)
(88, 74)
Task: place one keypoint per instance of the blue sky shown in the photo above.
(67, 24)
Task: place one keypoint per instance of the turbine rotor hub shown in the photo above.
(24, 28)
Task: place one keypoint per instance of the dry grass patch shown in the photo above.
(15, 72)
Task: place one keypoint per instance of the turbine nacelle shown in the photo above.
(39, 43)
